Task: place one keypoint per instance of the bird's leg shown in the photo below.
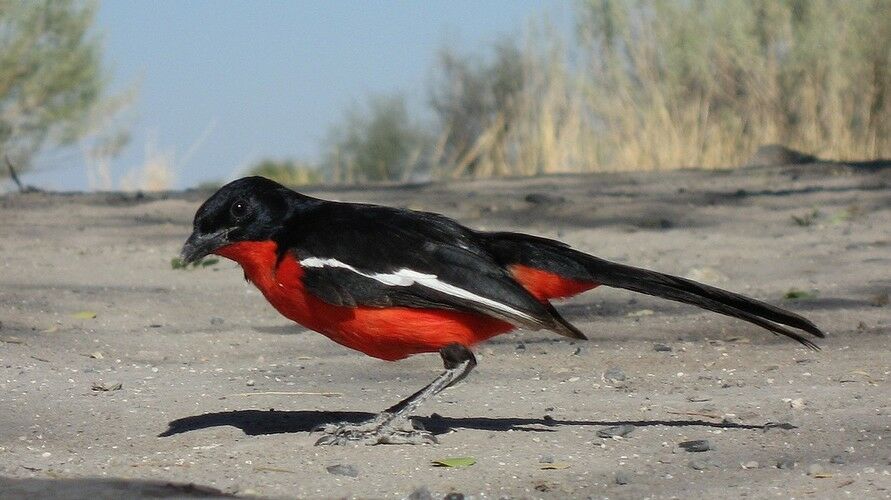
(392, 425)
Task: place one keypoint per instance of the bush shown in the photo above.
(650, 84)
(378, 142)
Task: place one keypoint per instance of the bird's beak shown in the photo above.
(199, 245)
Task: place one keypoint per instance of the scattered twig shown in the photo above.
(273, 469)
(695, 414)
(286, 393)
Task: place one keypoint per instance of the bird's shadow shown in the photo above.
(260, 422)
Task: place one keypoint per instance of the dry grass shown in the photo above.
(666, 85)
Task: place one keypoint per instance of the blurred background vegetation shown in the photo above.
(641, 84)
(52, 86)
(646, 84)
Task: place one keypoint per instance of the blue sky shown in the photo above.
(235, 82)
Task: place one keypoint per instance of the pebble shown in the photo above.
(661, 348)
(343, 470)
(546, 459)
(785, 463)
(420, 493)
(700, 464)
(217, 321)
(750, 465)
(814, 469)
(250, 383)
(454, 496)
(622, 478)
(837, 459)
(696, 446)
(615, 431)
(614, 375)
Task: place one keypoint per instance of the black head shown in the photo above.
(249, 209)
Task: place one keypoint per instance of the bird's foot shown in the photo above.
(382, 429)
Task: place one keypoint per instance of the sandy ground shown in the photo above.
(200, 355)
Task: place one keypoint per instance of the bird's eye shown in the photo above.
(238, 209)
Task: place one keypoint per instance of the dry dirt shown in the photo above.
(200, 357)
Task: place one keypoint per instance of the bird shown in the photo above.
(392, 282)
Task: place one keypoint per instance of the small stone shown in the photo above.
(814, 469)
(521, 347)
(615, 431)
(343, 470)
(546, 459)
(454, 496)
(103, 387)
(750, 465)
(217, 320)
(661, 348)
(700, 464)
(837, 459)
(797, 403)
(622, 478)
(785, 463)
(578, 351)
(698, 445)
(420, 493)
(614, 375)
(250, 383)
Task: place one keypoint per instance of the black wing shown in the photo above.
(376, 256)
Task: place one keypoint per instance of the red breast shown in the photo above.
(387, 333)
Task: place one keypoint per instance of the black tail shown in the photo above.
(707, 297)
(557, 257)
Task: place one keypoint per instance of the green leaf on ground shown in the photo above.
(177, 263)
(84, 315)
(454, 462)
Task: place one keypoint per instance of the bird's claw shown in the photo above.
(380, 430)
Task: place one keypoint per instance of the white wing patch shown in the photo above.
(408, 277)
